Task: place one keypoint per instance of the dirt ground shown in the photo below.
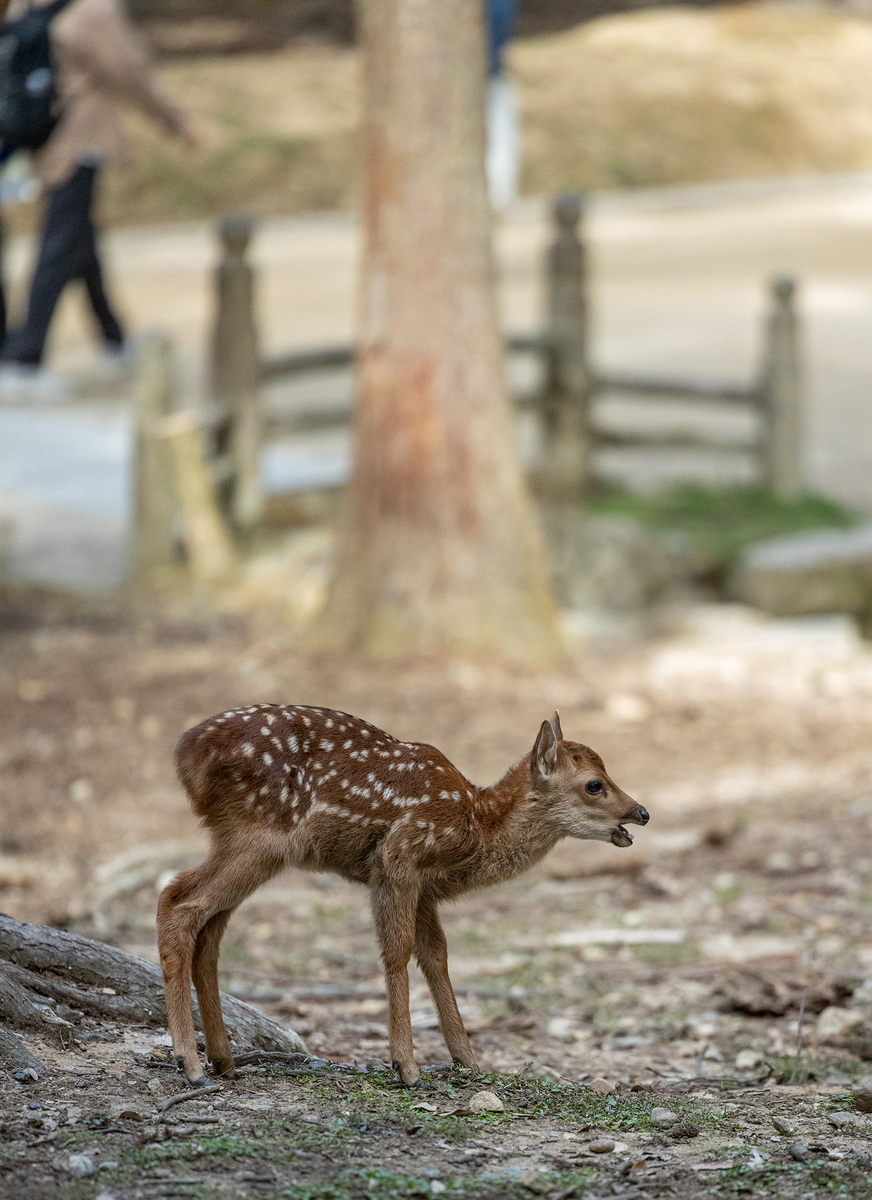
(673, 971)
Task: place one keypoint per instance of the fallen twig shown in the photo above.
(271, 1056)
(795, 1070)
(187, 1181)
(700, 1059)
(193, 1094)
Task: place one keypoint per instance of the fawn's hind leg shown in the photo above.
(185, 907)
(204, 971)
(431, 951)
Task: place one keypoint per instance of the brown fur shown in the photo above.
(288, 785)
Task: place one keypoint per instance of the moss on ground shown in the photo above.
(720, 522)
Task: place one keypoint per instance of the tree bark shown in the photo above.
(17, 1005)
(37, 961)
(439, 551)
(14, 1054)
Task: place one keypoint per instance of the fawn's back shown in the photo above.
(324, 790)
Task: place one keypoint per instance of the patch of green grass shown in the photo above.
(383, 1185)
(811, 1069)
(681, 954)
(720, 522)
(846, 1177)
(222, 1145)
(728, 893)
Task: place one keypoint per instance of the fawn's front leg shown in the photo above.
(394, 910)
(431, 951)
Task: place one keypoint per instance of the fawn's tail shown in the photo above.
(198, 762)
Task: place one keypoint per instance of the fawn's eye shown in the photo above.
(594, 787)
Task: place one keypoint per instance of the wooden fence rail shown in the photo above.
(236, 424)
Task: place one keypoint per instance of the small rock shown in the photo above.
(602, 1087)
(839, 1120)
(49, 1124)
(601, 1146)
(81, 1165)
(437, 1186)
(747, 1060)
(685, 1129)
(863, 1093)
(785, 1127)
(835, 1021)
(547, 1073)
(154, 1085)
(799, 1151)
(26, 1075)
(486, 1102)
(662, 1118)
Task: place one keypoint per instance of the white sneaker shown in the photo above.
(24, 384)
(115, 362)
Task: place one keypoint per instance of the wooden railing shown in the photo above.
(236, 425)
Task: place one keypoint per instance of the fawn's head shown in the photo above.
(572, 784)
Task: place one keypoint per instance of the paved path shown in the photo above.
(677, 288)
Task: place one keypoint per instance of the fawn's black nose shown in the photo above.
(637, 815)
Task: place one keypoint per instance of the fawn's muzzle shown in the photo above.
(637, 815)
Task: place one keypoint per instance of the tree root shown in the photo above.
(41, 966)
(14, 1055)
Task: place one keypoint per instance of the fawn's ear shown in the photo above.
(555, 725)
(544, 757)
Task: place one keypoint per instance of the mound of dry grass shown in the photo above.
(676, 95)
(662, 96)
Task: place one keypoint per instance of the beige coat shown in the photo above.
(102, 64)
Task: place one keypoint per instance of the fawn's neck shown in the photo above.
(514, 831)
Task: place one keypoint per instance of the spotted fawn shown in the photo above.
(292, 786)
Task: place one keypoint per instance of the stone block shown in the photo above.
(825, 572)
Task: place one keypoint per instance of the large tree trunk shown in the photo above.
(41, 968)
(440, 550)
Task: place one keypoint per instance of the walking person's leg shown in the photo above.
(113, 334)
(92, 275)
(2, 288)
(64, 252)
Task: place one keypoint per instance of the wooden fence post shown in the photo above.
(781, 394)
(234, 372)
(155, 505)
(208, 549)
(564, 470)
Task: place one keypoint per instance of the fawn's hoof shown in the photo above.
(194, 1076)
(223, 1068)
(409, 1074)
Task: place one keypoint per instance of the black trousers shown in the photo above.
(68, 251)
